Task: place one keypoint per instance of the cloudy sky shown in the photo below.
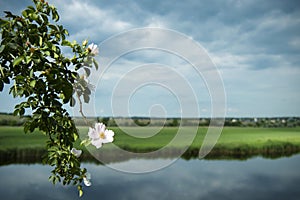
(255, 46)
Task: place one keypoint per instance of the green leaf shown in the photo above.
(56, 55)
(80, 190)
(53, 48)
(66, 32)
(85, 142)
(67, 90)
(34, 16)
(18, 60)
(72, 102)
(28, 59)
(1, 86)
(16, 111)
(86, 98)
(62, 96)
(20, 78)
(2, 48)
(6, 80)
(47, 53)
(12, 46)
(1, 70)
(31, 8)
(84, 43)
(75, 136)
(19, 23)
(26, 127)
(66, 43)
(53, 27)
(87, 91)
(95, 63)
(55, 15)
(24, 13)
(31, 73)
(8, 14)
(40, 41)
(87, 71)
(32, 83)
(3, 22)
(22, 111)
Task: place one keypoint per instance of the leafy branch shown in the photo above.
(32, 63)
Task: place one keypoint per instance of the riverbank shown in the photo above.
(234, 143)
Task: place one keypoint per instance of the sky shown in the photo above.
(252, 48)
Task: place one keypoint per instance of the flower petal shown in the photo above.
(108, 136)
(92, 133)
(110, 133)
(86, 182)
(94, 50)
(91, 46)
(100, 127)
(88, 175)
(97, 143)
(76, 152)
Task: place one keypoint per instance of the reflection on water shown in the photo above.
(33, 156)
(256, 178)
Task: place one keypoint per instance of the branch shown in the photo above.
(80, 109)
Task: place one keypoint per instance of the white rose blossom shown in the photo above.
(100, 135)
(93, 49)
(76, 152)
(87, 179)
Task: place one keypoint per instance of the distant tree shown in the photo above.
(174, 122)
(141, 122)
(105, 120)
(111, 122)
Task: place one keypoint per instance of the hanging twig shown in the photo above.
(80, 109)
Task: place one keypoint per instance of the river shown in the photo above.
(256, 178)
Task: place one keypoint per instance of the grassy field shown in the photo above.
(15, 138)
(231, 138)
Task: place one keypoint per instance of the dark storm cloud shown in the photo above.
(237, 27)
(248, 40)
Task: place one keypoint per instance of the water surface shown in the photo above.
(256, 178)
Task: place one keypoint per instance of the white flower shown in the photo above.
(76, 152)
(93, 49)
(87, 179)
(90, 86)
(100, 135)
(83, 80)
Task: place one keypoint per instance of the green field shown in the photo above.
(232, 142)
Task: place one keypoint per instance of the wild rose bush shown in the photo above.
(34, 66)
